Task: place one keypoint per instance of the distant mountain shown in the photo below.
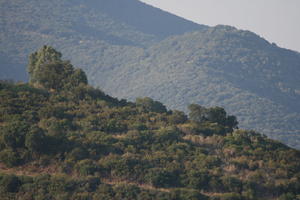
(95, 27)
(131, 49)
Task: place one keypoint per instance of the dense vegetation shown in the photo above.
(253, 79)
(75, 142)
(130, 49)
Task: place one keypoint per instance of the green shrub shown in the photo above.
(10, 183)
(232, 184)
(149, 105)
(10, 158)
(104, 192)
(13, 134)
(177, 117)
(162, 178)
(197, 179)
(78, 154)
(35, 140)
(86, 167)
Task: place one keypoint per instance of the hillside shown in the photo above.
(63, 139)
(253, 79)
(130, 49)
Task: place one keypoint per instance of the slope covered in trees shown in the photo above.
(131, 49)
(75, 142)
(253, 79)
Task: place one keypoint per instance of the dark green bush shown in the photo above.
(232, 184)
(10, 183)
(10, 158)
(162, 178)
(177, 117)
(86, 167)
(197, 179)
(149, 105)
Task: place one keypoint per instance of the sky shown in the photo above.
(277, 21)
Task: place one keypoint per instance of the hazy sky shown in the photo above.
(276, 20)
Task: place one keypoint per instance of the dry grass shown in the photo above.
(140, 185)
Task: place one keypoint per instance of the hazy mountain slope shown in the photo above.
(95, 27)
(251, 78)
(144, 18)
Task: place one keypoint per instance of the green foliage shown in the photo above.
(127, 192)
(232, 184)
(46, 69)
(215, 115)
(78, 154)
(178, 117)
(88, 145)
(78, 77)
(288, 196)
(149, 105)
(39, 59)
(197, 179)
(10, 183)
(13, 134)
(162, 178)
(167, 135)
(10, 158)
(198, 113)
(86, 167)
(52, 75)
(35, 140)
(104, 192)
